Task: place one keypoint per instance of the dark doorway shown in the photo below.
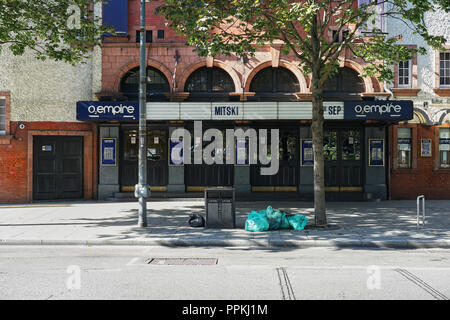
(157, 166)
(202, 175)
(287, 178)
(57, 167)
(343, 155)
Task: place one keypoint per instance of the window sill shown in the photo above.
(442, 92)
(405, 171)
(405, 92)
(5, 139)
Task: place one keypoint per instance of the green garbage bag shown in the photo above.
(257, 222)
(298, 221)
(274, 217)
(284, 222)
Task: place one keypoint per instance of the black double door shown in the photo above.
(204, 175)
(343, 156)
(288, 155)
(57, 167)
(157, 162)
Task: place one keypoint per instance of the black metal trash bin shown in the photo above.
(220, 207)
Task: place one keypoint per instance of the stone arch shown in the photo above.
(445, 117)
(284, 64)
(150, 63)
(421, 117)
(219, 64)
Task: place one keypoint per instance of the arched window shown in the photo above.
(209, 80)
(156, 82)
(274, 80)
(345, 81)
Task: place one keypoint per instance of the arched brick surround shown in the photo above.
(217, 63)
(284, 64)
(151, 63)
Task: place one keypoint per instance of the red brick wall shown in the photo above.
(14, 173)
(425, 177)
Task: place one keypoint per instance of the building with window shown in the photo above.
(265, 91)
(45, 152)
(420, 147)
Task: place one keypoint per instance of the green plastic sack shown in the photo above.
(298, 221)
(274, 217)
(284, 222)
(257, 222)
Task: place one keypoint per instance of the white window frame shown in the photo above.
(448, 70)
(409, 85)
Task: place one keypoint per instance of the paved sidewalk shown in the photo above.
(361, 224)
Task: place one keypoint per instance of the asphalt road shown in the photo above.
(65, 272)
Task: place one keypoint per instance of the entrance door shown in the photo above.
(343, 159)
(57, 167)
(199, 176)
(287, 178)
(157, 167)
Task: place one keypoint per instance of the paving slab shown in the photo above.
(386, 224)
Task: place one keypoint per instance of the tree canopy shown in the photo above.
(236, 26)
(63, 30)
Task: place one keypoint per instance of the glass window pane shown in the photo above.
(263, 81)
(330, 145)
(351, 145)
(131, 145)
(221, 81)
(286, 81)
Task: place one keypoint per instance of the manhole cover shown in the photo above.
(183, 261)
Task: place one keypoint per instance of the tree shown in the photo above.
(64, 30)
(239, 26)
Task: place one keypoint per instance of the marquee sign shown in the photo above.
(378, 110)
(106, 110)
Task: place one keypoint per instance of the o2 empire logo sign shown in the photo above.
(378, 110)
(95, 110)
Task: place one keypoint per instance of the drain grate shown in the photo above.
(183, 261)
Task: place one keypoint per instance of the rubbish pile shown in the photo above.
(273, 219)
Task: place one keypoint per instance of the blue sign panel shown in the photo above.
(99, 110)
(307, 155)
(108, 152)
(378, 110)
(376, 152)
(115, 14)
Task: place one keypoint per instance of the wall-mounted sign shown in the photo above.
(378, 110)
(46, 148)
(376, 152)
(306, 152)
(444, 144)
(425, 148)
(176, 152)
(108, 151)
(100, 110)
(227, 111)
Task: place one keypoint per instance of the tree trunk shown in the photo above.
(320, 218)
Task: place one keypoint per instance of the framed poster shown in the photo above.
(306, 152)
(176, 152)
(425, 148)
(376, 152)
(108, 152)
